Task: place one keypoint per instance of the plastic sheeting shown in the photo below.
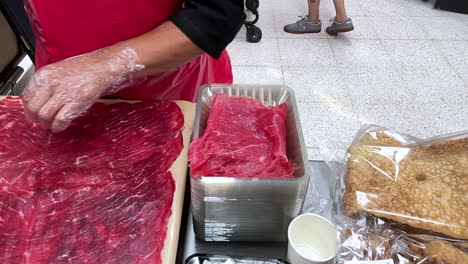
(98, 192)
(401, 199)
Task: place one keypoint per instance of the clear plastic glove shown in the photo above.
(60, 92)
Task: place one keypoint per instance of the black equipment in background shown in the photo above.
(17, 41)
(253, 34)
(14, 12)
(458, 6)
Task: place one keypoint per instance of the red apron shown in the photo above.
(66, 28)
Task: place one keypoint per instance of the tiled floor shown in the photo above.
(404, 67)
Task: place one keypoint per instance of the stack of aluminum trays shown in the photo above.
(250, 209)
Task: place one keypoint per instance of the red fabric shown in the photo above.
(99, 192)
(243, 138)
(66, 28)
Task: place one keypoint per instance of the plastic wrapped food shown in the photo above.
(402, 198)
(419, 183)
(98, 192)
(244, 138)
(371, 239)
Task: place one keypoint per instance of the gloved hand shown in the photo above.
(62, 91)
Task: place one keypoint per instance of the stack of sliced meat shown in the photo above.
(99, 192)
(243, 138)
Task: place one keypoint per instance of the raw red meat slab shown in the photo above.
(243, 138)
(99, 192)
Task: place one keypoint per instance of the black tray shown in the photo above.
(201, 258)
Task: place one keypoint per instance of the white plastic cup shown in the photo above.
(311, 239)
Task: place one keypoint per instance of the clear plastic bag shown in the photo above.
(319, 196)
(402, 198)
(372, 240)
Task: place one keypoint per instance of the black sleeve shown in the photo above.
(211, 24)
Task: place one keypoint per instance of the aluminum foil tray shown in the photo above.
(250, 209)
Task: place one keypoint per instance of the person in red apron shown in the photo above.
(142, 49)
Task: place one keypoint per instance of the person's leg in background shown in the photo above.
(341, 23)
(314, 13)
(308, 24)
(341, 15)
(312, 23)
